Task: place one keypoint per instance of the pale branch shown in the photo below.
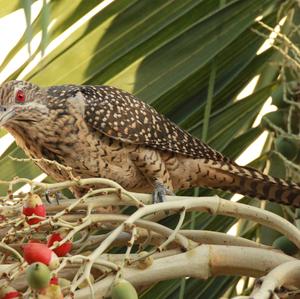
(155, 227)
(218, 206)
(95, 254)
(51, 162)
(118, 257)
(175, 232)
(7, 248)
(67, 184)
(126, 256)
(285, 274)
(201, 262)
(213, 205)
(217, 238)
(6, 268)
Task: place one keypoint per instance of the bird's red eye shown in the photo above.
(20, 96)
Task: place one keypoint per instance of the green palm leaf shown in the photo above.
(163, 52)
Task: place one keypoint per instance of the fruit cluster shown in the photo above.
(43, 257)
(40, 257)
(285, 127)
(284, 122)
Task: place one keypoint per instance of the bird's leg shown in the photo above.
(160, 191)
(150, 164)
(58, 196)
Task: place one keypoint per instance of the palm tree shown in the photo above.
(190, 60)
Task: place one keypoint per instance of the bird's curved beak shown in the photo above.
(5, 115)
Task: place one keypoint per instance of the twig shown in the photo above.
(286, 273)
(155, 227)
(282, 36)
(12, 250)
(175, 231)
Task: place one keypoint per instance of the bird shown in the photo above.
(103, 131)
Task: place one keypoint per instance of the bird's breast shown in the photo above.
(69, 141)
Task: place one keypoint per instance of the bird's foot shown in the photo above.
(57, 196)
(160, 192)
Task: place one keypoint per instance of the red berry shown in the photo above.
(12, 295)
(38, 211)
(61, 250)
(37, 252)
(54, 280)
(34, 206)
(9, 293)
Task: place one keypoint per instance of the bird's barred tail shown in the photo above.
(253, 183)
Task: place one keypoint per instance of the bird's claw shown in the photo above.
(160, 192)
(58, 196)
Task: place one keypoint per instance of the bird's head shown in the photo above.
(20, 101)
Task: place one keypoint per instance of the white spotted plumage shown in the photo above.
(121, 115)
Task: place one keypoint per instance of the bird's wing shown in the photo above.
(120, 115)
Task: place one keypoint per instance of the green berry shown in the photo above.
(123, 289)
(38, 276)
(277, 97)
(273, 118)
(286, 147)
(285, 245)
